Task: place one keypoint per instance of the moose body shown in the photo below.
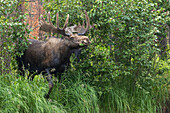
(54, 53)
(42, 56)
(50, 54)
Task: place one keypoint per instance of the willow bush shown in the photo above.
(121, 71)
(13, 33)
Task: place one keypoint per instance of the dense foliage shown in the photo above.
(13, 32)
(121, 71)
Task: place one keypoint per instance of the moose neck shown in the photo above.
(71, 44)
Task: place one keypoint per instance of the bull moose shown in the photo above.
(43, 56)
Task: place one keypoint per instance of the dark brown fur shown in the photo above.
(55, 53)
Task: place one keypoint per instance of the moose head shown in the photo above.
(74, 33)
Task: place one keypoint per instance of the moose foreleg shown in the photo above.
(50, 82)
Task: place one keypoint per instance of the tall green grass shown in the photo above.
(24, 96)
(76, 94)
(119, 100)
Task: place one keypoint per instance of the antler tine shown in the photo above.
(65, 25)
(42, 18)
(83, 31)
(87, 22)
(66, 22)
(57, 21)
(83, 24)
(49, 18)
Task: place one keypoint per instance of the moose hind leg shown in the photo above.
(50, 83)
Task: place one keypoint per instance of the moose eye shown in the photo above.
(84, 41)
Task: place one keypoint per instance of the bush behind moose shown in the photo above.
(135, 83)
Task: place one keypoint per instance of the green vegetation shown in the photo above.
(125, 69)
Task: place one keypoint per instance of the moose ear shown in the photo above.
(71, 37)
